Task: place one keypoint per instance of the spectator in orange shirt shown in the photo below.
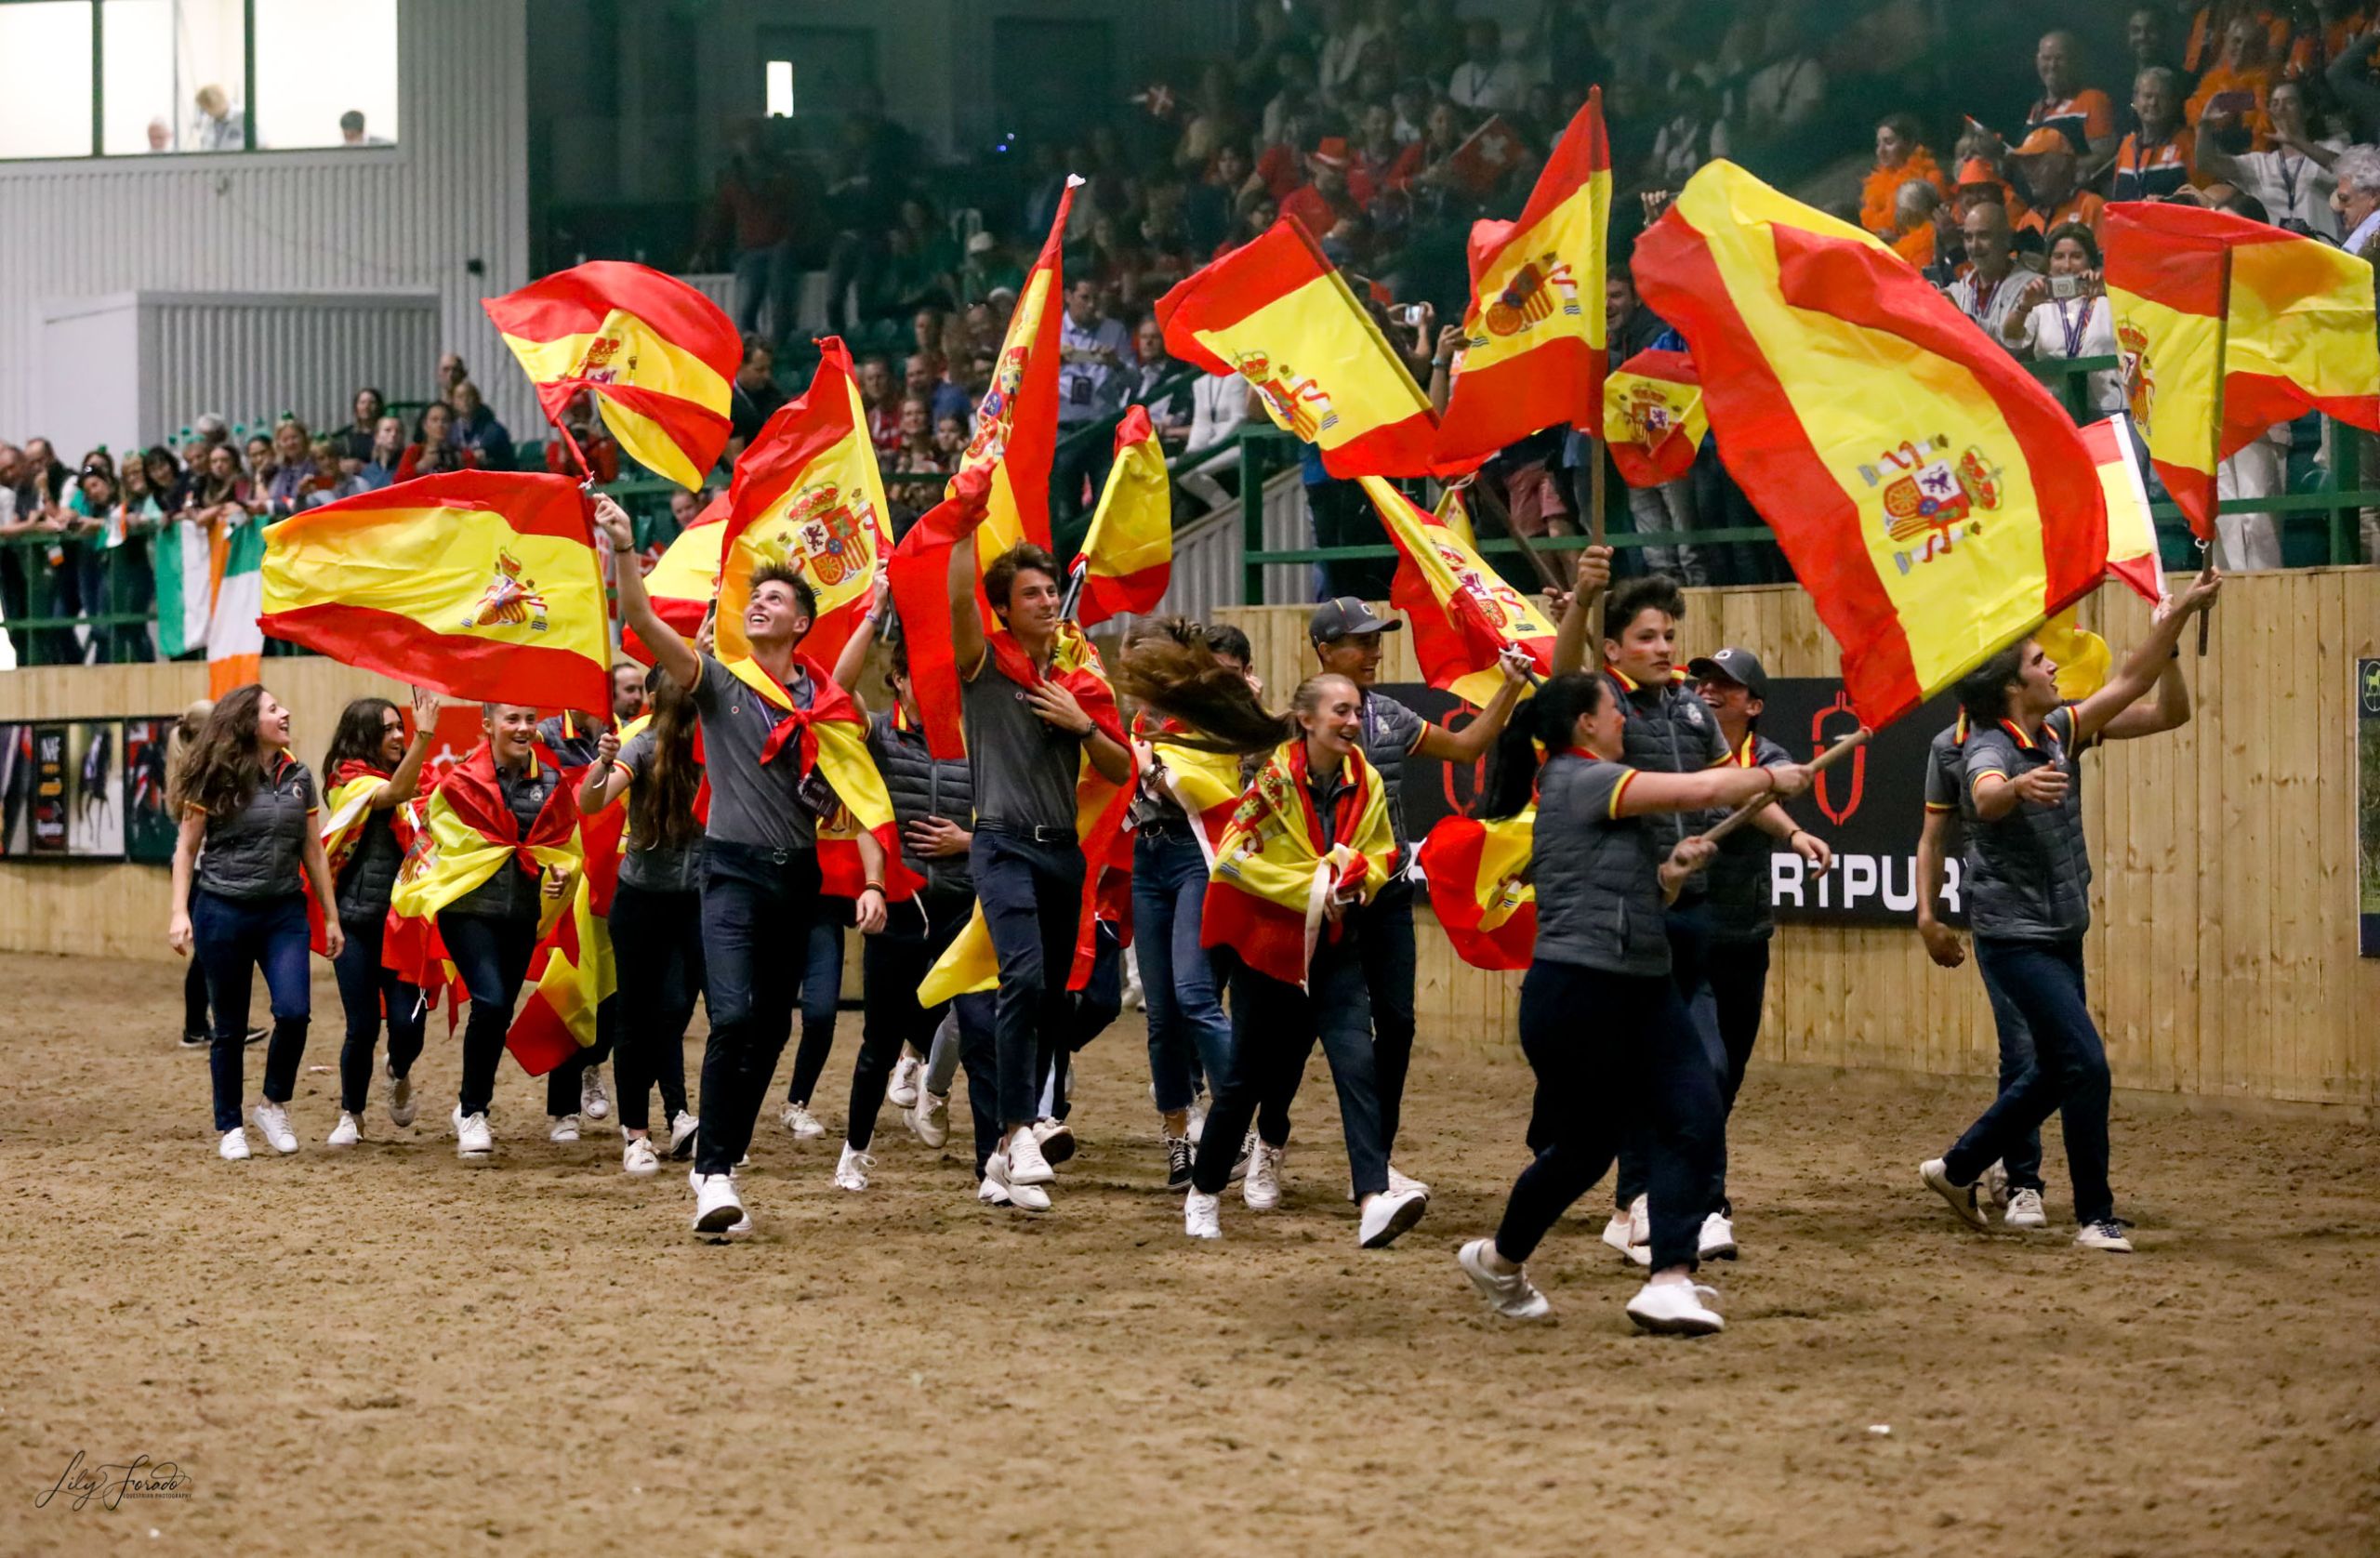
(2082, 115)
(2239, 87)
(2047, 163)
(1899, 159)
(2208, 27)
(2160, 156)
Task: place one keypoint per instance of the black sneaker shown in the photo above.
(195, 1041)
(1177, 1162)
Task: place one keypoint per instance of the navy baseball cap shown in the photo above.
(1738, 666)
(1345, 616)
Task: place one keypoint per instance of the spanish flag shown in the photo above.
(2226, 326)
(1273, 871)
(572, 973)
(1652, 417)
(1016, 425)
(482, 585)
(2132, 531)
(808, 492)
(1932, 496)
(1205, 785)
(1533, 335)
(1128, 555)
(920, 594)
(1280, 315)
(828, 739)
(1464, 614)
(1480, 890)
(657, 354)
(683, 583)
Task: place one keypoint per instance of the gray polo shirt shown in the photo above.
(1023, 768)
(750, 804)
(1390, 732)
(2027, 874)
(1597, 875)
(256, 852)
(648, 866)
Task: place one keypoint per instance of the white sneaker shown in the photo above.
(235, 1145)
(639, 1159)
(802, 1123)
(1398, 1180)
(992, 1193)
(1023, 1197)
(274, 1121)
(1615, 1233)
(1959, 1197)
(2025, 1211)
(850, 1171)
(2106, 1233)
(1513, 1295)
(1202, 1216)
(1056, 1141)
(1197, 1128)
(1676, 1309)
(682, 1129)
(1387, 1215)
(593, 1102)
(472, 1138)
(902, 1091)
(1994, 1183)
(1026, 1164)
(1718, 1240)
(717, 1208)
(930, 1120)
(561, 1127)
(343, 1134)
(1262, 1188)
(402, 1107)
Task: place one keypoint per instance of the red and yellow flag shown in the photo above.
(1273, 874)
(1480, 890)
(808, 492)
(1280, 315)
(828, 739)
(1128, 555)
(2132, 530)
(1533, 335)
(571, 972)
(2226, 326)
(482, 585)
(1652, 417)
(920, 593)
(1465, 615)
(1205, 785)
(657, 354)
(1016, 425)
(682, 583)
(1933, 497)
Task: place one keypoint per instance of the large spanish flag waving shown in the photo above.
(920, 594)
(657, 354)
(1128, 554)
(1480, 889)
(1932, 496)
(1652, 417)
(1279, 314)
(1016, 425)
(482, 585)
(1464, 614)
(1533, 334)
(2226, 326)
(682, 584)
(808, 492)
(1272, 873)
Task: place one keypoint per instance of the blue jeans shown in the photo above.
(364, 989)
(2023, 1160)
(491, 957)
(2069, 1077)
(1032, 899)
(233, 938)
(1188, 1033)
(821, 991)
(757, 904)
(1274, 1027)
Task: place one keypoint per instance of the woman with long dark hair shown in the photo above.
(197, 1027)
(374, 770)
(1602, 883)
(1310, 840)
(656, 918)
(242, 866)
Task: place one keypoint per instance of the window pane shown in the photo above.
(45, 108)
(320, 63)
(172, 76)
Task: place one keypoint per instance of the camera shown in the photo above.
(1409, 313)
(2066, 286)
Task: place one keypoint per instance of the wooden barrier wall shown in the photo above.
(2223, 958)
(2223, 963)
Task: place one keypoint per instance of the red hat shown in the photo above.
(1331, 152)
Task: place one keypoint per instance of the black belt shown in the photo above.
(759, 854)
(1032, 833)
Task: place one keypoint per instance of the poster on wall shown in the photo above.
(52, 780)
(95, 798)
(2367, 803)
(148, 823)
(16, 790)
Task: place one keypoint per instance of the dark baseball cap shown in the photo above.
(1738, 666)
(1345, 616)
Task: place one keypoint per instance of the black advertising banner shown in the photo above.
(1868, 808)
(2367, 804)
(51, 776)
(16, 790)
(148, 827)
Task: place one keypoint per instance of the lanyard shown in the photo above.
(2289, 178)
(1983, 299)
(2075, 326)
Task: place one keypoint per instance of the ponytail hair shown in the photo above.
(1548, 719)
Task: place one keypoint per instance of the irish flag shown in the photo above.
(210, 590)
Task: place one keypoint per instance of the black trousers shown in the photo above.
(658, 942)
(1739, 980)
(892, 965)
(365, 990)
(493, 957)
(1689, 935)
(1274, 1027)
(757, 909)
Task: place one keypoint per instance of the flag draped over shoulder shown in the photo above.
(1205, 785)
(234, 635)
(1128, 554)
(1933, 497)
(1478, 873)
(482, 584)
(1652, 417)
(1016, 423)
(346, 807)
(1280, 315)
(2226, 326)
(1464, 614)
(828, 739)
(2132, 531)
(808, 492)
(571, 974)
(1272, 873)
(658, 355)
(682, 584)
(1533, 335)
(1100, 806)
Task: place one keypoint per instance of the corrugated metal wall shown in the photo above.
(1206, 555)
(417, 215)
(254, 357)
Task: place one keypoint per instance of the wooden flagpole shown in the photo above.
(1824, 760)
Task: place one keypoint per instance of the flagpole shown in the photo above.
(2221, 353)
(1075, 577)
(1823, 762)
(1504, 516)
